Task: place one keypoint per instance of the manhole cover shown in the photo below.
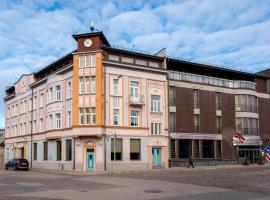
(153, 191)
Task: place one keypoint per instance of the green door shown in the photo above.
(90, 159)
(156, 157)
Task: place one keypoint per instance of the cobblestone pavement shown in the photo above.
(201, 183)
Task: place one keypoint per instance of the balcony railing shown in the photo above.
(136, 101)
(182, 76)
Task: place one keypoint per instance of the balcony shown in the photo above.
(136, 101)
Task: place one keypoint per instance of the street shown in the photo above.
(221, 182)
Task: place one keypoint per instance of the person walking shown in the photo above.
(190, 162)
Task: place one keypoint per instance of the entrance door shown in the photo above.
(90, 158)
(156, 157)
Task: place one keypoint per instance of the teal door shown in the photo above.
(90, 159)
(156, 157)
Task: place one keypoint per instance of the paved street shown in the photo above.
(229, 182)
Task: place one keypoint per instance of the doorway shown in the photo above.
(90, 159)
(250, 152)
(156, 157)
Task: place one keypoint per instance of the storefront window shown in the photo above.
(208, 148)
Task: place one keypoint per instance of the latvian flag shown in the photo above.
(267, 153)
(239, 137)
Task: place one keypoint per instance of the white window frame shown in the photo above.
(155, 103)
(81, 116)
(41, 125)
(58, 93)
(68, 119)
(81, 64)
(116, 117)
(87, 85)
(93, 60)
(41, 100)
(135, 118)
(87, 116)
(115, 87)
(57, 120)
(134, 90)
(69, 89)
(93, 115)
(93, 84)
(81, 85)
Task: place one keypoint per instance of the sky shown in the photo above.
(233, 34)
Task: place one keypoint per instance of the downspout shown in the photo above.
(32, 104)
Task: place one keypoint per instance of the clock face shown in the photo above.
(87, 42)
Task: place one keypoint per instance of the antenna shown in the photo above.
(92, 28)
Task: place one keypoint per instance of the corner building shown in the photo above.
(97, 108)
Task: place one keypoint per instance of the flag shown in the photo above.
(267, 153)
(239, 137)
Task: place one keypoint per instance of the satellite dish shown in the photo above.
(92, 28)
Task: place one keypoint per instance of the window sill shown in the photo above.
(157, 113)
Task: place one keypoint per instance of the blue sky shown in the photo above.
(228, 33)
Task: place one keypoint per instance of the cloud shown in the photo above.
(226, 33)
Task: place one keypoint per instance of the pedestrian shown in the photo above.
(190, 162)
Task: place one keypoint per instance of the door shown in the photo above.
(156, 157)
(90, 159)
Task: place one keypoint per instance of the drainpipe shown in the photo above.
(32, 103)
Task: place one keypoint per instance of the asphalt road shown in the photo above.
(202, 183)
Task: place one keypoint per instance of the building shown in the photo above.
(2, 144)
(97, 108)
(208, 105)
(104, 108)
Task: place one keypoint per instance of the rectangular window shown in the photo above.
(35, 151)
(87, 116)
(69, 90)
(86, 60)
(117, 147)
(68, 150)
(50, 122)
(115, 87)
(196, 123)
(93, 112)
(134, 90)
(155, 103)
(41, 125)
(69, 119)
(81, 85)
(218, 101)
(87, 85)
(115, 117)
(155, 128)
(35, 126)
(116, 102)
(34, 103)
(58, 150)
(45, 150)
(196, 98)
(135, 149)
(172, 122)
(218, 123)
(58, 93)
(81, 62)
(172, 96)
(58, 120)
(134, 118)
(93, 60)
(208, 149)
(81, 116)
(50, 95)
(41, 100)
(93, 84)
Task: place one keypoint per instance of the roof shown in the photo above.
(99, 33)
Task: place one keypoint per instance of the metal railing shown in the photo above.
(139, 100)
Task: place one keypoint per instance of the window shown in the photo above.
(247, 125)
(196, 98)
(135, 149)
(87, 116)
(58, 120)
(24, 127)
(35, 102)
(115, 117)
(50, 122)
(50, 95)
(173, 152)
(69, 119)
(93, 60)
(134, 118)
(81, 85)
(155, 103)
(58, 150)
(246, 103)
(196, 123)
(218, 150)
(81, 61)
(86, 61)
(115, 102)
(218, 101)
(115, 87)
(208, 149)
(45, 150)
(41, 125)
(172, 96)
(93, 111)
(172, 122)
(116, 148)
(41, 100)
(68, 150)
(21, 129)
(155, 128)
(93, 84)
(218, 123)
(35, 126)
(35, 151)
(69, 90)
(134, 90)
(87, 86)
(81, 116)
(58, 93)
